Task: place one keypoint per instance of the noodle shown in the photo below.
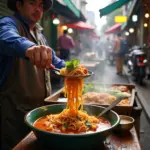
(78, 71)
(73, 124)
(73, 88)
(73, 119)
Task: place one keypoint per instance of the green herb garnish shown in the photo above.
(79, 107)
(65, 125)
(88, 124)
(70, 65)
(78, 117)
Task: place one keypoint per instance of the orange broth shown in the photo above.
(102, 125)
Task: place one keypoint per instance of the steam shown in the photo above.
(93, 55)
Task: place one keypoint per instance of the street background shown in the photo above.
(109, 76)
(93, 26)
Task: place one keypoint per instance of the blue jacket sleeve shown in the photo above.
(57, 62)
(11, 43)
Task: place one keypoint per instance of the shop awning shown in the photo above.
(63, 10)
(113, 29)
(72, 7)
(112, 7)
(80, 25)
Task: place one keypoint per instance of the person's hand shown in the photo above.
(41, 56)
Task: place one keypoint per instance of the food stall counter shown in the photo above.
(116, 141)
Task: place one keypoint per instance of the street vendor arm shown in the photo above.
(12, 44)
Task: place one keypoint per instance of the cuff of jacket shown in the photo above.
(23, 47)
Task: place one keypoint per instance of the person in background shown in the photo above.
(65, 44)
(24, 59)
(108, 47)
(78, 47)
(120, 49)
(98, 49)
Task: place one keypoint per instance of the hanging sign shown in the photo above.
(120, 19)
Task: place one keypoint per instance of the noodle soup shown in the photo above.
(73, 119)
(72, 124)
(61, 139)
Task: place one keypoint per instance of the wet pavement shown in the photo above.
(106, 74)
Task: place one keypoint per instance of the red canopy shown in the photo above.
(113, 29)
(80, 25)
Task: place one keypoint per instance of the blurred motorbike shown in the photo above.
(137, 63)
(110, 55)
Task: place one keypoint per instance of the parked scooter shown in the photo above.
(137, 63)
